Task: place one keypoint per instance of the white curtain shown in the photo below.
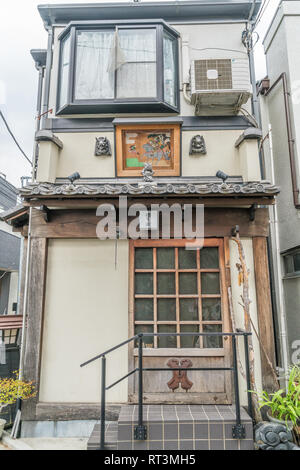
(94, 78)
(169, 70)
(136, 78)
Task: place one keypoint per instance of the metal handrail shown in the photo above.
(140, 432)
(108, 351)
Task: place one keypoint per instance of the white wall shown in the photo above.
(86, 312)
(78, 154)
(13, 291)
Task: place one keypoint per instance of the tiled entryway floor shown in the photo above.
(178, 427)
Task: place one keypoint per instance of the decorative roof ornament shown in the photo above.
(148, 173)
(263, 188)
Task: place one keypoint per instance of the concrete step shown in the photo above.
(177, 427)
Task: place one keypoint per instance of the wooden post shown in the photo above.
(34, 314)
(264, 308)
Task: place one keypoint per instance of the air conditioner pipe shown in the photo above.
(282, 77)
(185, 68)
(185, 93)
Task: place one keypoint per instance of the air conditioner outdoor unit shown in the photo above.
(219, 86)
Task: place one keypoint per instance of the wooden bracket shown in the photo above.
(252, 210)
(46, 213)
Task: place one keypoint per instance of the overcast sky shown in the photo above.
(21, 29)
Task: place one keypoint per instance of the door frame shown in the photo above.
(223, 244)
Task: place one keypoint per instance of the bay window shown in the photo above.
(122, 67)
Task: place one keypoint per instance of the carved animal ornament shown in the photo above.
(272, 436)
(179, 376)
(197, 145)
(102, 147)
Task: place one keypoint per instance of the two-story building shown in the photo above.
(149, 101)
(280, 111)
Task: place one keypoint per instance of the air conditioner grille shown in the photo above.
(224, 80)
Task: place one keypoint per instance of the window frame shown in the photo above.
(288, 256)
(196, 351)
(132, 105)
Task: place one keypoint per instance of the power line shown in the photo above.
(14, 139)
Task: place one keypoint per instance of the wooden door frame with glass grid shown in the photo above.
(200, 354)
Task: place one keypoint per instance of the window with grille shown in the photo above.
(176, 290)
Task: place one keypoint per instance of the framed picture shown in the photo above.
(158, 144)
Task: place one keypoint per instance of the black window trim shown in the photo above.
(118, 105)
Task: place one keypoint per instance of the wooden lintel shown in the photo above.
(81, 223)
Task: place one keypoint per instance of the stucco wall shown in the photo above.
(239, 313)
(86, 312)
(78, 155)
(221, 154)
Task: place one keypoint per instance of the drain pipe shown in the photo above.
(291, 140)
(282, 310)
(46, 93)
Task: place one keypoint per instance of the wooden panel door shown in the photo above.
(177, 290)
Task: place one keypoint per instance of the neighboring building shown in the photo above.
(167, 84)
(9, 252)
(280, 109)
(10, 322)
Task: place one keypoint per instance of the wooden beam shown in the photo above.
(264, 310)
(82, 223)
(34, 313)
(225, 201)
